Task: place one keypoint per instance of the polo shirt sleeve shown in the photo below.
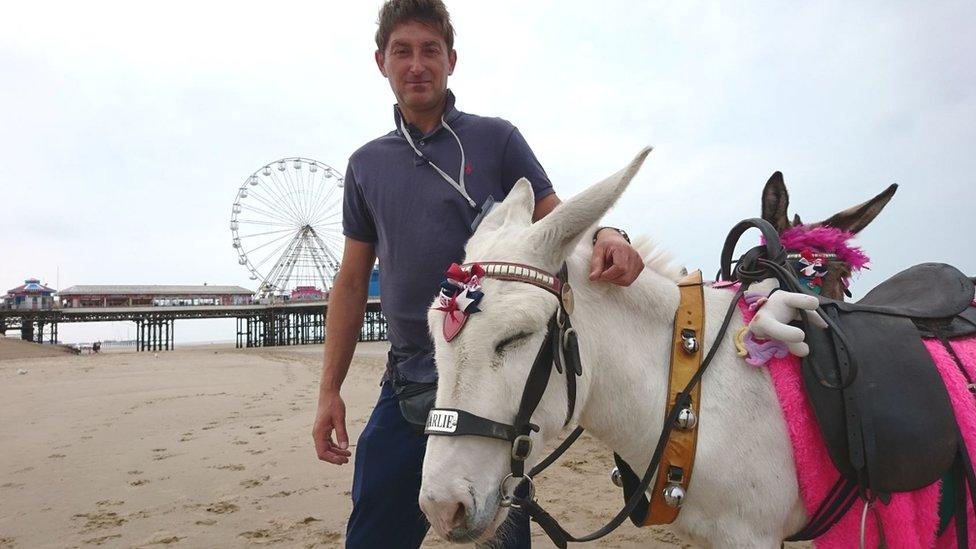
(357, 221)
(519, 161)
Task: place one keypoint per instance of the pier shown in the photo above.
(299, 322)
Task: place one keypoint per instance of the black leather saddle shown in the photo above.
(890, 427)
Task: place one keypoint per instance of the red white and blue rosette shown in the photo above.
(459, 296)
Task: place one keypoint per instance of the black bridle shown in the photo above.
(761, 262)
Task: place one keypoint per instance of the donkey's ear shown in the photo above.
(775, 201)
(516, 209)
(854, 219)
(556, 232)
(796, 220)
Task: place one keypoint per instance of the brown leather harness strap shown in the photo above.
(679, 455)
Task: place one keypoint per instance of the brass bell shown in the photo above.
(616, 478)
(686, 419)
(674, 495)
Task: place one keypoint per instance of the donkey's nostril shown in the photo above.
(448, 516)
(458, 519)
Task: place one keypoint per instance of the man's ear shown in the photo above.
(381, 62)
(452, 60)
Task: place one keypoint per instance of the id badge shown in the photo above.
(485, 210)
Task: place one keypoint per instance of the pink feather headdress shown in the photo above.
(827, 240)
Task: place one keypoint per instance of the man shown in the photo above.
(411, 199)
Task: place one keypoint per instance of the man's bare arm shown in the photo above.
(347, 305)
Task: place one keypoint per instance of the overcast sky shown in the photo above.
(125, 129)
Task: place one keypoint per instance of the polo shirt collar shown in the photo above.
(450, 115)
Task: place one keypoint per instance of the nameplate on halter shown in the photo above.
(442, 421)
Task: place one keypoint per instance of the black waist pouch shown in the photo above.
(416, 400)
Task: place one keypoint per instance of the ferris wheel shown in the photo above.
(287, 226)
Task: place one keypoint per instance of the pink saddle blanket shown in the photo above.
(911, 519)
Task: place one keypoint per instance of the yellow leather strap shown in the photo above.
(679, 454)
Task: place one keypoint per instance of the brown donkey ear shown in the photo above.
(775, 201)
(853, 220)
(796, 220)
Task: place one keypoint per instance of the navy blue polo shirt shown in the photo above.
(420, 223)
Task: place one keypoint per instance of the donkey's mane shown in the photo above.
(657, 258)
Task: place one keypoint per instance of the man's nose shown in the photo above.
(416, 65)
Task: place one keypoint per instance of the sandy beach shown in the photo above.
(209, 446)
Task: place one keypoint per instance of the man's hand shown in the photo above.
(614, 259)
(772, 320)
(331, 415)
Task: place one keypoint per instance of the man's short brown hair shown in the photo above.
(432, 13)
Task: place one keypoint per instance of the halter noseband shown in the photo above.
(559, 346)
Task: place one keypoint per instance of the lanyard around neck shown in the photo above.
(458, 184)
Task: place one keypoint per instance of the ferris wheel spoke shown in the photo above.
(289, 192)
(274, 253)
(278, 200)
(266, 233)
(317, 191)
(280, 194)
(272, 215)
(324, 200)
(271, 204)
(327, 214)
(293, 193)
(272, 241)
(307, 179)
(269, 223)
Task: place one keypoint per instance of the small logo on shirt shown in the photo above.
(468, 168)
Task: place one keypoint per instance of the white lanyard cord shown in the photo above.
(457, 184)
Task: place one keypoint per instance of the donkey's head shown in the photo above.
(483, 369)
(821, 252)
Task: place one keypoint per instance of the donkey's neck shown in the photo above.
(625, 336)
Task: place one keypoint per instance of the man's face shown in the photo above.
(417, 63)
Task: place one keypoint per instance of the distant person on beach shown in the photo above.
(412, 198)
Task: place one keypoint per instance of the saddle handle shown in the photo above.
(748, 269)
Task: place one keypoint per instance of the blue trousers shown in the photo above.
(386, 485)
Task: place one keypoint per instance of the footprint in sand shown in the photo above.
(139, 482)
(134, 472)
(99, 520)
(256, 534)
(254, 482)
(109, 503)
(222, 508)
(56, 456)
(208, 522)
(230, 467)
(7, 542)
(165, 541)
(99, 540)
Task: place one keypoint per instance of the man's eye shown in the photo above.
(510, 341)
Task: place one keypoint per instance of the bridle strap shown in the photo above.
(535, 387)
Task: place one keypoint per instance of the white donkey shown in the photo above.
(744, 492)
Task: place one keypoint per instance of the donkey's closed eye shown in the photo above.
(511, 340)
